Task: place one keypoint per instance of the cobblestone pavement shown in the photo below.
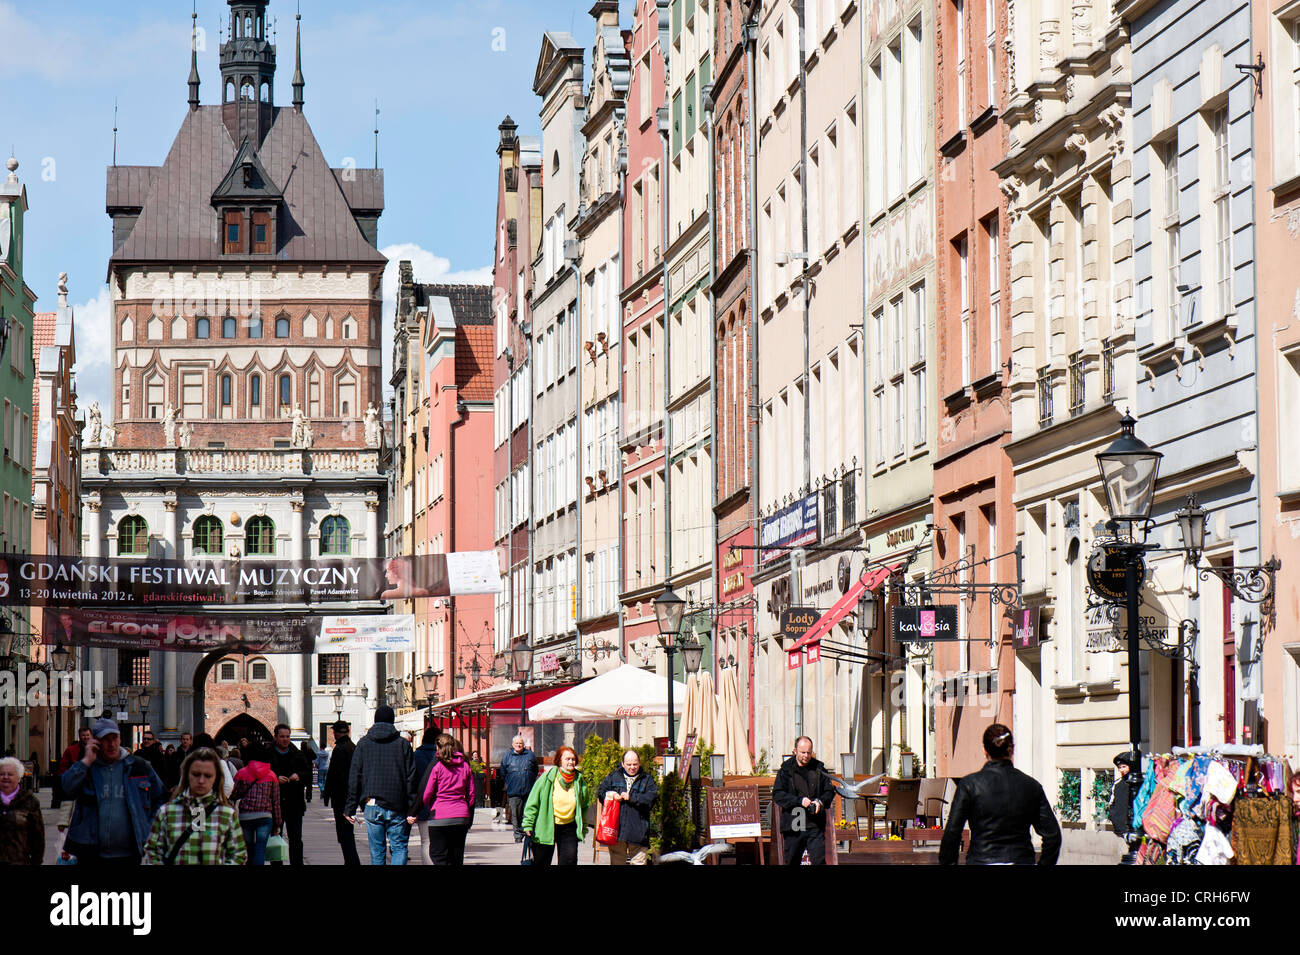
(490, 843)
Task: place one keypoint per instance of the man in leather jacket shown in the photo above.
(1000, 803)
(804, 792)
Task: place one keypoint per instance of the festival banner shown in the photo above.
(40, 581)
(376, 633)
(182, 632)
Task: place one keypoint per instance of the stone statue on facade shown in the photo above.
(169, 426)
(186, 432)
(110, 436)
(295, 431)
(374, 433)
(94, 424)
(307, 435)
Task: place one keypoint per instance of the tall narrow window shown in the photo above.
(259, 537)
(995, 295)
(990, 53)
(227, 327)
(963, 285)
(255, 391)
(1173, 254)
(193, 385)
(334, 535)
(286, 389)
(261, 232)
(132, 535)
(227, 396)
(207, 535)
(959, 20)
(282, 327)
(1222, 213)
(234, 227)
(203, 328)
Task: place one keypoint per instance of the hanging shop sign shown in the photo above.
(184, 632)
(796, 621)
(375, 633)
(792, 526)
(733, 812)
(733, 580)
(1108, 572)
(1028, 624)
(897, 538)
(925, 624)
(34, 580)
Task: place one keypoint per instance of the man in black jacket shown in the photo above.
(336, 791)
(804, 792)
(382, 779)
(294, 773)
(1001, 804)
(1121, 804)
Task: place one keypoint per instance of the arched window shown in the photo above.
(286, 391)
(246, 90)
(259, 537)
(555, 163)
(349, 328)
(202, 328)
(255, 327)
(227, 327)
(227, 391)
(132, 536)
(128, 329)
(228, 94)
(207, 535)
(282, 327)
(266, 92)
(255, 390)
(334, 535)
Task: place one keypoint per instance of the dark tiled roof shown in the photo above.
(178, 223)
(362, 188)
(470, 304)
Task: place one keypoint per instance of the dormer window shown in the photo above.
(262, 232)
(234, 232)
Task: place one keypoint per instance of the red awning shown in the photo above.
(532, 696)
(842, 606)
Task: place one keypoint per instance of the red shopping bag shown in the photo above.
(607, 824)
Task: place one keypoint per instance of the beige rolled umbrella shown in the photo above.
(710, 724)
(740, 762)
(690, 712)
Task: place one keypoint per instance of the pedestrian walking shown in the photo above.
(322, 769)
(425, 757)
(804, 791)
(382, 780)
(116, 797)
(151, 750)
(198, 826)
(449, 794)
(257, 793)
(22, 830)
(336, 791)
(519, 770)
(72, 754)
(1001, 804)
(555, 816)
(293, 771)
(636, 790)
(1121, 798)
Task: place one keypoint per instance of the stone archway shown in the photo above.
(241, 726)
(218, 701)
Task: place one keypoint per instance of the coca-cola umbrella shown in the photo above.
(626, 693)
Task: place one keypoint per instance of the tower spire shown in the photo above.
(298, 82)
(194, 58)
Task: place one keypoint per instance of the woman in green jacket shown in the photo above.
(555, 816)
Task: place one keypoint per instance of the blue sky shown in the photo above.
(437, 68)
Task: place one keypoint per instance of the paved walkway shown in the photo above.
(489, 843)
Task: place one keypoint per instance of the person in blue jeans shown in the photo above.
(383, 782)
(257, 794)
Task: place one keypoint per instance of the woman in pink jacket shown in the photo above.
(449, 794)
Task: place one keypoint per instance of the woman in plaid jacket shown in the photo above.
(198, 826)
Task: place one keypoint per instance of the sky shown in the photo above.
(444, 72)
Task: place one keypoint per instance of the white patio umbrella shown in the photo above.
(739, 761)
(690, 711)
(709, 724)
(626, 693)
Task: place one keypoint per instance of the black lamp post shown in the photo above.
(521, 655)
(668, 613)
(1128, 473)
(338, 704)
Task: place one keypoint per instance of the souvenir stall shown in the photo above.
(1223, 805)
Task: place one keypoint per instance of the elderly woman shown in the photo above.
(22, 830)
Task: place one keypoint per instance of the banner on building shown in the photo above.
(388, 633)
(792, 526)
(41, 581)
(183, 632)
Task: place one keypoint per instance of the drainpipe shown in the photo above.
(618, 434)
(713, 353)
(462, 418)
(752, 404)
(575, 334)
(865, 762)
(807, 361)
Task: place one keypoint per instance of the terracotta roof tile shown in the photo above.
(474, 361)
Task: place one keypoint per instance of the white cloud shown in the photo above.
(428, 268)
(92, 321)
(71, 49)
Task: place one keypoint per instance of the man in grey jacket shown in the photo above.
(383, 781)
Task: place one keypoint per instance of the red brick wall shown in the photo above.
(224, 701)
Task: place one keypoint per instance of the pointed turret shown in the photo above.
(194, 61)
(298, 82)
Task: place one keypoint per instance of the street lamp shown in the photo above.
(338, 704)
(868, 608)
(1128, 472)
(1191, 523)
(60, 657)
(668, 613)
(521, 655)
(460, 680)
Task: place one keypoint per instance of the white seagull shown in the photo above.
(699, 856)
(849, 790)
